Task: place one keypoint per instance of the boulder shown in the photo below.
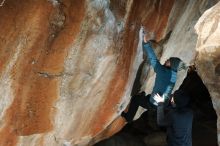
(208, 54)
(67, 67)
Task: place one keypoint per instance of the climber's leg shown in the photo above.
(136, 101)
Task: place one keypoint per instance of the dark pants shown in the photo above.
(151, 113)
(136, 101)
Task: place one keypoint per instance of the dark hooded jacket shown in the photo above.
(178, 120)
(165, 77)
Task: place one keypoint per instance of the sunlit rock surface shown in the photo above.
(208, 58)
(67, 67)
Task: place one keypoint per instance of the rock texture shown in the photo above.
(67, 67)
(181, 37)
(207, 60)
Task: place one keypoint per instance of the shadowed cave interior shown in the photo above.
(204, 132)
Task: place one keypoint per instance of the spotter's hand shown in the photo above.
(158, 98)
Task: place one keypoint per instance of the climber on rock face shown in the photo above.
(178, 120)
(164, 82)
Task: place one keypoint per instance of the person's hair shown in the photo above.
(177, 64)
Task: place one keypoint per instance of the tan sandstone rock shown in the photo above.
(67, 67)
(208, 58)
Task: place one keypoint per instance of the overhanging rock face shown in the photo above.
(67, 67)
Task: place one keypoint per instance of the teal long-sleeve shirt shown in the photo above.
(165, 77)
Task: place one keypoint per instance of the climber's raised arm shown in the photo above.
(152, 58)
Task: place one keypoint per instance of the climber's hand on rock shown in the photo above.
(146, 35)
(146, 38)
(143, 35)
